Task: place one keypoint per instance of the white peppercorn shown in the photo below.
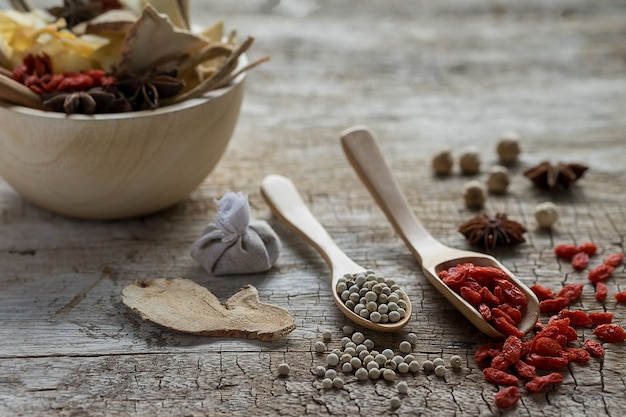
(345, 340)
(374, 373)
(367, 359)
(332, 359)
(356, 363)
(469, 162)
(319, 347)
(546, 214)
(380, 359)
(508, 147)
(327, 383)
(389, 375)
(398, 359)
(347, 329)
(350, 345)
(361, 374)
(346, 368)
(330, 373)
(439, 362)
(474, 193)
(337, 352)
(402, 387)
(319, 370)
(327, 334)
(363, 354)
(283, 369)
(414, 366)
(443, 162)
(409, 358)
(388, 353)
(394, 316)
(369, 344)
(372, 365)
(405, 347)
(390, 364)
(350, 351)
(358, 337)
(403, 368)
(395, 402)
(345, 358)
(455, 361)
(338, 383)
(427, 365)
(498, 179)
(440, 370)
(412, 338)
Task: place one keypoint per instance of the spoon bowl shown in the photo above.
(287, 205)
(363, 153)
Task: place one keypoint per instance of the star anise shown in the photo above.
(92, 101)
(481, 230)
(549, 176)
(77, 11)
(144, 91)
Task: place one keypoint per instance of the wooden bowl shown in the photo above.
(112, 166)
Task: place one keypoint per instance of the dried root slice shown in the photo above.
(182, 305)
(153, 42)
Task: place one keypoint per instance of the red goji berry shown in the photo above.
(594, 348)
(601, 291)
(496, 376)
(545, 346)
(512, 349)
(600, 273)
(486, 274)
(570, 334)
(580, 260)
(559, 323)
(552, 305)
(601, 317)
(621, 297)
(454, 277)
(498, 312)
(487, 352)
(542, 293)
(485, 311)
(514, 313)
(571, 291)
(507, 397)
(471, 296)
(577, 318)
(576, 355)
(472, 284)
(614, 259)
(506, 328)
(589, 248)
(540, 382)
(566, 251)
(488, 297)
(525, 370)
(546, 363)
(513, 295)
(611, 333)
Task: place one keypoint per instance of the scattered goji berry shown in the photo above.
(571, 291)
(545, 346)
(552, 305)
(566, 251)
(611, 333)
(577, 318)
(546, 363)
(540, 382)
(601, 317)
(589, 248)
(614, 259)
(506, 328)
(471, 296)
(507, 397)
(570, 334)
(487, 351)
(600, 273)
(576, 354)
(621, 297)
(525, 370)
(601, 291)
(542, 293)
(580, 260)
(594, 348)
(496, 376)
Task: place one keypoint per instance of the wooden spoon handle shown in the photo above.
(366, 158)
(287, 204)
(16, 93)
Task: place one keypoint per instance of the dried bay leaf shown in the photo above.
(182, 305)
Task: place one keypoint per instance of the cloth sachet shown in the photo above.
(236, 244)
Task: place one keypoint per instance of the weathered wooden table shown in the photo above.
(423, 75)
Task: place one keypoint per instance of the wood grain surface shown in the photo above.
(423, 75)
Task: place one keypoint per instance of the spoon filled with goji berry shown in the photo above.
(364, 296)
(477, 284)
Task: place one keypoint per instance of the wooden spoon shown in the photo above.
(365, 156)
(16, 93)
(288, 206)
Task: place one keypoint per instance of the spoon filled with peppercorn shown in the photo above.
(365, 297)
(477, 284)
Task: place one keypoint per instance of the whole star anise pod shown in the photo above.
(549, 176)
(78, 11)
(92, 101)
(144, 91)
(481, 230)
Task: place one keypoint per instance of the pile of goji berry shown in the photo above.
(36, 73)
(537, 360)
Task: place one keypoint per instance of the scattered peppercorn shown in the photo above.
(283, 369)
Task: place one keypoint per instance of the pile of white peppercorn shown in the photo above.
(372, 297)
(357, 356)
